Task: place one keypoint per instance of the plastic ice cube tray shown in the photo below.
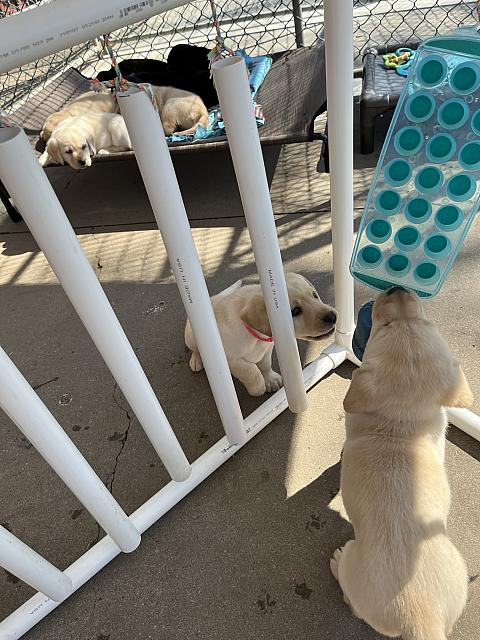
(426, 188)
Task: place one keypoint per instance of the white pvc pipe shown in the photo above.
(156, 167)
(465, 420)
(34, 34)
(27, 411)
(38, 607)
(231, 81)
(29, 566)
(28, 185)
(339, 47)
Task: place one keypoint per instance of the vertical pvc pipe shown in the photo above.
(233, 90)
(339, 46)
(32, 193)
(29, 566)
(27, 411)
(156, 167)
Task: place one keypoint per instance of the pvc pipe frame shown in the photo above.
(23, 562)
(50, 227)
(24, 407)
(155, 164)
(96, 558)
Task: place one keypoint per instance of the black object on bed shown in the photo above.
(291, 96)
(381, 88)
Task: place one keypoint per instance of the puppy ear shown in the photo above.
(91, 145)
(255, 315)
(360, 396)
(53, 151)
(458, 393)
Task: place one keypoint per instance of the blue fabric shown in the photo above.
(257, 68)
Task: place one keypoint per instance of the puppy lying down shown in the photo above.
(401, 573)
(89, 102)
(246, 335)
(180, 111)
(74, 140)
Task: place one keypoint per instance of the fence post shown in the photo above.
(298, 22)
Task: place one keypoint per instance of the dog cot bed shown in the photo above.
(291, 96)
(381, 89)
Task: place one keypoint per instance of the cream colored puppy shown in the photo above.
(180, 111)
(76, 139)
(246, 335)
(401, 573)
(89, 102)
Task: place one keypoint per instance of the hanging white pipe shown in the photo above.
(96, 558)
(156, 167)
(29, 187)
(27, 411)
(29, 566)
(339, 46)
(39, 32)
(231, 81)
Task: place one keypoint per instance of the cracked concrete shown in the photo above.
(245, 556)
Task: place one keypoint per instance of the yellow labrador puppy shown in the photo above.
(246, 335)
(180, 111)
(89, 102)
(75, 140)
(401, 573)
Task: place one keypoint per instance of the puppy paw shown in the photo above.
(103, 152)
(273, 381)
(196, 363)
(257, 389)
(334, 563)
(43, 159)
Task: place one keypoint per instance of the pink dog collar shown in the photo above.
(256, 335)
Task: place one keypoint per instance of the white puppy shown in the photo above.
(246, 335)
(401, 573)
(180, 111)
(74, 140)
(89, 102)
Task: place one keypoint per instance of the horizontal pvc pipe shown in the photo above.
(465, 420)
(35, 198)
(27, 411)
(29, 566)
(156, 167)
(39, 32)
(38, 607)
(339, 46)
(231, 82)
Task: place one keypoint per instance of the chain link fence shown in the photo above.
(258, 26)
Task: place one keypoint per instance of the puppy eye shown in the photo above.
(69, 151)
(315, 294)
(84, 146)
(296, 311)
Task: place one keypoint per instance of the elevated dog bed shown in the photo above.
(291, 96)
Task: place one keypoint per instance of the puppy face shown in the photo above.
(407, 366)
(312, 318)
(72, 145)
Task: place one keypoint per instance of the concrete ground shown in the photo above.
(245, 556)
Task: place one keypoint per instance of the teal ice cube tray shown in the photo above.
(425, 192)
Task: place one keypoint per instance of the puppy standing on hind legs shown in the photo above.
(401, 573)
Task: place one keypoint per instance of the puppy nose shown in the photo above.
(82, 163)
(393, 289)
(330, 317)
